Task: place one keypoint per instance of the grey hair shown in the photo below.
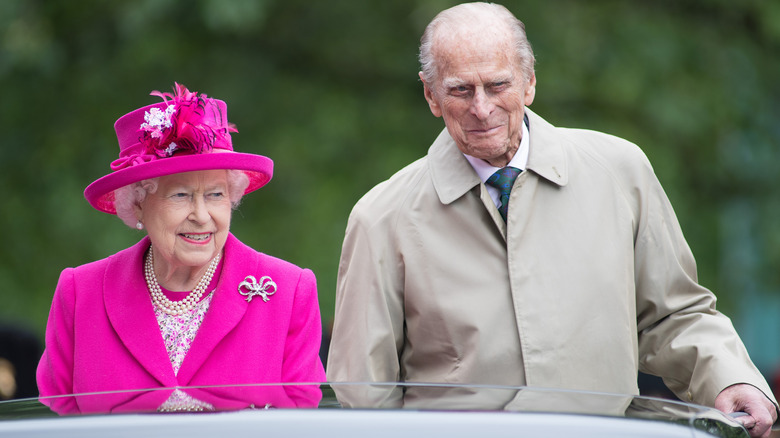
(127, 197)
(465, 15)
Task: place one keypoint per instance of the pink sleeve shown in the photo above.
(55, 370)
(301, 361)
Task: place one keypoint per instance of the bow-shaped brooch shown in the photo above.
(264, 289)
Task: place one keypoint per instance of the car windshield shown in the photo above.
(394, 406)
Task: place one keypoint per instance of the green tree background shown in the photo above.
(329, 90)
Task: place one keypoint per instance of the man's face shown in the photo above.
(480, 92)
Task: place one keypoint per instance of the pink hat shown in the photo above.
(185, 132)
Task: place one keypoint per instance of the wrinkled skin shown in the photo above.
(481, 94)
(762, 413)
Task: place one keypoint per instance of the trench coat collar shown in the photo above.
(131, 312)
(453, 176)
(546, 156)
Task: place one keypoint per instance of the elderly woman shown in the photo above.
(188, 305)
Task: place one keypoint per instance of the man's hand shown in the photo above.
(762, 413)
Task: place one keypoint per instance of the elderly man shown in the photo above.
(576, 278)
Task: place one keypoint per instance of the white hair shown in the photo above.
(128, 197)
(471, 15)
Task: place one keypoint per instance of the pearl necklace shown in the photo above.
(176, 307)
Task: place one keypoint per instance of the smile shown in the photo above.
(483, 131)
(197, 237)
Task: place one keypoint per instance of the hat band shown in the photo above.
(137, 155)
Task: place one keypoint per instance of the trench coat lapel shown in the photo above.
(451, 173)
(131, 314)
(226, 310)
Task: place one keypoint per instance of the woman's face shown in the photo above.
(187, 218)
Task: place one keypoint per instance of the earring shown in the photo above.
(139, 225)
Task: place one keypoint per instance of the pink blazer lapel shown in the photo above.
(227, 308)
(130, 312)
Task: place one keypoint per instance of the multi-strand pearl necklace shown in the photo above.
(176, 307)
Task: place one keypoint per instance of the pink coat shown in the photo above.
(102, 333)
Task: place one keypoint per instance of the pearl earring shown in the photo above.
(139, 225)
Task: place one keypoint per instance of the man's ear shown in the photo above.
(432, 103)
(530, 90)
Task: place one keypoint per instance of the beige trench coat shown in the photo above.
(589, 281)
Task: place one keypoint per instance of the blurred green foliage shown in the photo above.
(329, 90)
